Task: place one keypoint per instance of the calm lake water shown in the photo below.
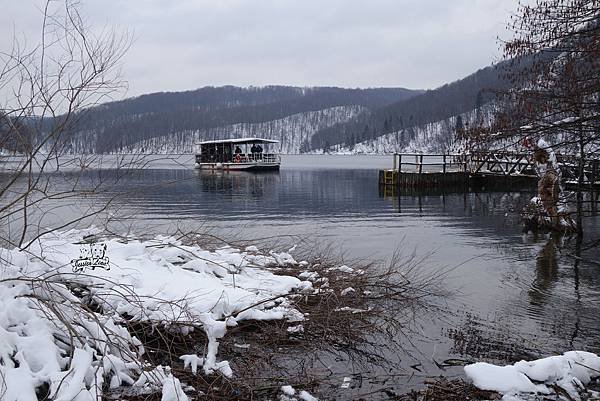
(516, 295)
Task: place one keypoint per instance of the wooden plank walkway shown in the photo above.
(482, 169)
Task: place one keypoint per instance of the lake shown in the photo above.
(515, 295)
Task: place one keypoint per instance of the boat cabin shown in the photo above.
(238, 154)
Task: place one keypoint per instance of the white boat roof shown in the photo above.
(240, 140)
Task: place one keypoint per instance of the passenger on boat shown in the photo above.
(237, 150)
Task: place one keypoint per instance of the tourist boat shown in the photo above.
(248, 154)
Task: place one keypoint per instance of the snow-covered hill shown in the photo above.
(292, 132)
(174, 121)
(434, 137)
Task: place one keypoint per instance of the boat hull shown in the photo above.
(238, 166)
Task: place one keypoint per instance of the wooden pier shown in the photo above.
(486, 170)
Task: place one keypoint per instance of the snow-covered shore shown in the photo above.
(568, 374)
(66, 334)
(65, 330)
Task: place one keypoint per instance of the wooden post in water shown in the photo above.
(420, 163)
(444, 167)
(394, 168)
(400, 163)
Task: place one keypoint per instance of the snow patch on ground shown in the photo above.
(571, 371)
(159, 281)
(343, 269)
(289, 394)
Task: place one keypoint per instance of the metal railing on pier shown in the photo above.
(429, 163)
(486, 164)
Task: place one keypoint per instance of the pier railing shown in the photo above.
(501, 163)
(428, 163)
(497, 163)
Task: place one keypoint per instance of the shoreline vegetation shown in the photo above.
(169, 317)
(176, 319)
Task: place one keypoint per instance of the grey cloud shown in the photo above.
(191, 43)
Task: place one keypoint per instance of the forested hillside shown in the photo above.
(180, 118)
(434, 137)
(293, 132)
(302, 119)
(407, 120)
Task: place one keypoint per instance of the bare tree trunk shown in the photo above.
(580, 181)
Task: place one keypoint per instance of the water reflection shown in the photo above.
(528, 294)
(242, 184)
(546, 270)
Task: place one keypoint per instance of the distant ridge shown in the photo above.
(124, 124)
(302, 119)
(450, 100)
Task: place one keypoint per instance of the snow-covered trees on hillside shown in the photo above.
(291, 132)
(435, 137)
(432, 106)
(115, 126)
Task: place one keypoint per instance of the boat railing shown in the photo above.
(260, 158)
(243, 158)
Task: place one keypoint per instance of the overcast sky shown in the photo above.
(186, 44)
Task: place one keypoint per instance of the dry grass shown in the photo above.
(339, 325)
(444, 389)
